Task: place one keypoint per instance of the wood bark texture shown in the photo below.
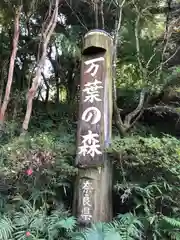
(11, 66)
(93, 187)
(46, 35)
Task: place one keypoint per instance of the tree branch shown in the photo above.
(96, 13)
(36, 81)
(76, 15)
(163, 109)
(164, 10)
(138, 46)
(45, 81)
(118, 118)
(136, 112)
(129, 119)
(166, 39)
(102, 13)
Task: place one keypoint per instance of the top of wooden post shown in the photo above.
(97, 40)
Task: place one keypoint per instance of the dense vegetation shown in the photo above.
(37, 147)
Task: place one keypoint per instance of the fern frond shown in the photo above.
(174, 235)
(57, 222)
(130, 227)
(172, 222)
(6, 228)
(38, 221)
(125, 227)
(67, 223)
(96, 232)
(111, 232)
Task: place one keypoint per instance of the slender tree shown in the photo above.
(47, 32)
(11, 65)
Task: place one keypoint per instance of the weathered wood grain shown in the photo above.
(97, 45)
(95, 205)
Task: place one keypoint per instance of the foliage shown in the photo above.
(147, 180)
(125, 227)
(37, 170)
(28, 222)
(38, 180)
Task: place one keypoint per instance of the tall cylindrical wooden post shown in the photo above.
(93, 187)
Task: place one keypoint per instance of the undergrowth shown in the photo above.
(36, 188)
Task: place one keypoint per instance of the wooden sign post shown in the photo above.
(93, 189)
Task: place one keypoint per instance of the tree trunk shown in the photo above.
(46, 35)
(11, 67)
(47, 88)
(93, 189)
(3, 76)
(70, 83)
(57, 89)
(118, 120)
(47, 94)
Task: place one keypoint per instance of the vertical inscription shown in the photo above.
(93, 186)
(87, 203)
(90, 147)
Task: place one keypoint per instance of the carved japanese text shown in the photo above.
(92, 91)
(92, 64)
(90, 144)
(86, 201)
(92, 115)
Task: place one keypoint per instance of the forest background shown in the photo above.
(40, 53)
